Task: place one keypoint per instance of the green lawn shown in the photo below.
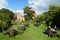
(32, 33)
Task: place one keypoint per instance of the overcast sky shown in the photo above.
(18, 5)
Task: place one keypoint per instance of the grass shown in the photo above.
(32, 33)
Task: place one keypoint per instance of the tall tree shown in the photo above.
(53, 15)
(6, 17)
(29, 13)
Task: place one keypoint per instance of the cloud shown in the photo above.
(3, 3)
(19, 11)
(42, 5)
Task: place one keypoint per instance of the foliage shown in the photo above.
(52, 16)
(40, 18)
(6, 17)
(6, 14)
(29, 13)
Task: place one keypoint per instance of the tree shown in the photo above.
(56, 19)
(6, 14)
(41, 18)
(6, 17)
(53, 15)
(29, 13)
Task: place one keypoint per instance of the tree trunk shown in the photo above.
(2, 29)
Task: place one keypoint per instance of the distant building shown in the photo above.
(19, 17)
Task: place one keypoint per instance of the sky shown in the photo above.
(40, 6)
